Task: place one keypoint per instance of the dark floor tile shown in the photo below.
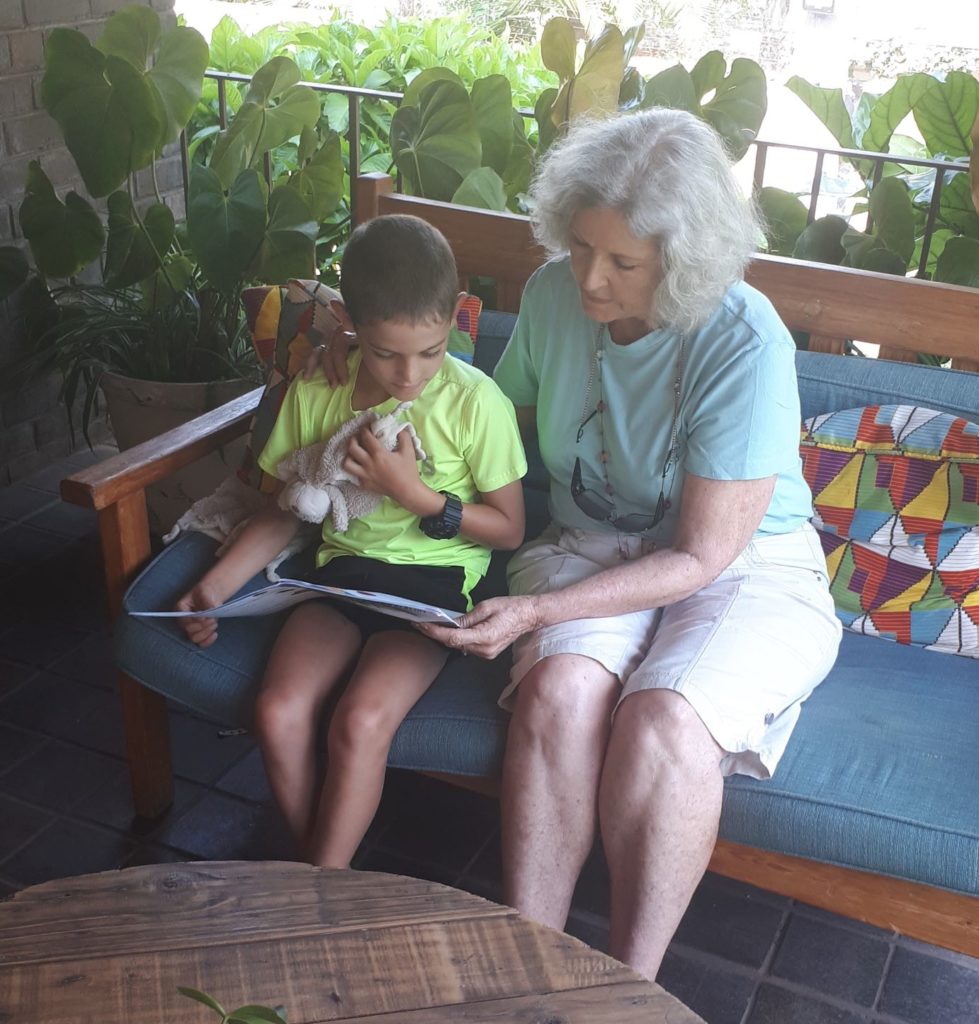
(150, 853)
(486, 888)
(719, 996)
(730, 923)
(5, 524)
(40, 643)
(395, 864)
(21, 822)
(926, 989)
(592, 930)
(66, 520)
(869, 930)
(19, 500)
(13, 674)
(54, 705)
(7, 889)
(247, 779)
(49, 480)
(443, 826)
(199, 752)
(780, 1006)
(831, 959)
(221, 828)
(103, 729)
(92, 662)
(112, 805)
(66, 848)
(25, 545)
(487, 866)
(16, 744)
(59, 776)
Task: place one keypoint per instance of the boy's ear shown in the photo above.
(460, 299)
(339, 310)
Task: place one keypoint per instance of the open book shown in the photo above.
(289, 592)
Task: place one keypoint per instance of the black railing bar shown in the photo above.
(185, 164)
(347, 90)
(817, 181)
(862, 154)
(222, 104)
(761, 154)
(933, 206)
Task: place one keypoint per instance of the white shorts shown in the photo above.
(745, 651)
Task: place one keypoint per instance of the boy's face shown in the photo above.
(403, 357)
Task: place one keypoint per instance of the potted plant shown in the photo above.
(123, 298)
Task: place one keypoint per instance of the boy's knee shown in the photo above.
(279, 713)
(360, 725)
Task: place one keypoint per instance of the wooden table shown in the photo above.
(326, 945)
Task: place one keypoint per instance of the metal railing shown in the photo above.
(355, 97)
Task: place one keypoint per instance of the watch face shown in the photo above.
(446, 525)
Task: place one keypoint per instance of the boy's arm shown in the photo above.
(266, 534)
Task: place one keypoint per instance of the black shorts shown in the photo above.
(434, 584)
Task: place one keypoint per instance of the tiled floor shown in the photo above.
(740, 955)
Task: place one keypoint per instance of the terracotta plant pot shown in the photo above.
(142, 409)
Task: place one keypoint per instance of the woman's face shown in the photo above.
(617, 273)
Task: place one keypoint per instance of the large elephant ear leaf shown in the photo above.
(828, 106)
(275, 110)
(893, 216)
(482, 188)
(785, 219)
(131, 34)
(64, 237)
(672, 87)
(558, 48)
(135, 249)
(959, 262)
(708, 73)
(946, 113)
(738, 106)
(595, 88)
(892, 108)
(287, 248)
(225, 230)
(974, 163)
(109, 116)
(436, 144)
(421, 81)
(178, 77)
(320, 180)
(492, 103)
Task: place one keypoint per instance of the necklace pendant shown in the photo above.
(601, 406)
(603, 457)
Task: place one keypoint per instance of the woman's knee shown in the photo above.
(564, 692)
(662, 726)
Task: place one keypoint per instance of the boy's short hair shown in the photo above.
(398, 267)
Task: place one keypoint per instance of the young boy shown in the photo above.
(429, 539)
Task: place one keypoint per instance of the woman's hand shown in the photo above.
(202, 632)
(489, 628)
(331, 358)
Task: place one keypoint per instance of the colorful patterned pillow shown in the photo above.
(896, 499)
(286, 324)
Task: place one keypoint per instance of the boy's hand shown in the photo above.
(202, 632)
(392, 474)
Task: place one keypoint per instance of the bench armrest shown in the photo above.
(121, 475)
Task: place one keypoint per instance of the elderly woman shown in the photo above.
(670, 622)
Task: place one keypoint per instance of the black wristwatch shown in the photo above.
(446, 524)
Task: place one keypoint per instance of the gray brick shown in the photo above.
(169, 177)
(57, 12)
(26, 465)
(6, 222)
(27, 403)
(52, 426)
(31, 133)
(26, 50)
(11, 14)
(4, 53)
(59, 165)
(16, 95)
(13, 172)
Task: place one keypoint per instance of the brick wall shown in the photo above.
(34, 429)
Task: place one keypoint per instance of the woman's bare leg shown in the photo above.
(315, 650)
(394, 670)
(659, 804)
(554, 754)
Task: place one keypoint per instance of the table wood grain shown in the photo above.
(326, 945)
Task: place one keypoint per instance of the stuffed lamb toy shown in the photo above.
(316, 483)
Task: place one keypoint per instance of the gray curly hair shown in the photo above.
(667, 173)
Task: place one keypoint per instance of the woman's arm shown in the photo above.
(717, 520)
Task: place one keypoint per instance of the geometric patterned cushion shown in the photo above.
(286, 323)
(896, 503)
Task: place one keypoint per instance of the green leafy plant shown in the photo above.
(250, 1014)
(166, 305)
(945, 111)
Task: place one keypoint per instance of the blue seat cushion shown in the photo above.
(456, 727)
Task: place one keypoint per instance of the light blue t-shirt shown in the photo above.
(739, 407)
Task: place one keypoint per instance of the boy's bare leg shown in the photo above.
(316, 648)
(394, 670)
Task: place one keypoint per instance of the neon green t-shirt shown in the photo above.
(469, 432)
